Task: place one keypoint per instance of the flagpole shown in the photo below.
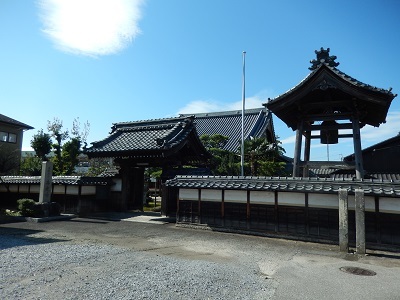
(243, 109)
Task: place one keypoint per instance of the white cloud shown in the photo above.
(391, 128)
(289, 140)
(91, 27)
(204, 106)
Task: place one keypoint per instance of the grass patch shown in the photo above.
(5, 212)
(150, 207)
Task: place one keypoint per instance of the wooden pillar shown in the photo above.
(276, 211)
(307, 151)
(343, 221)
(125, 188)
(199, 206)
(137, 188)
(248, 210)
(297, 150)
(223, 208)
(357, 148)
(360, 221)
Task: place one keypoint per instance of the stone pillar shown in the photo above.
(343, 221)
(46, 181)
(360, 221)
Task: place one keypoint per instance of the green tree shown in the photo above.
(31, 166)
(9, 160)
(97, 166)
(55, 128)
(262, 158)
(41, 143)
(69, 156)
(67, 146)
(223, 162)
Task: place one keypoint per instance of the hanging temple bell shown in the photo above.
(331, 135)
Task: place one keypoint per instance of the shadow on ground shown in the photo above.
(133, 216)
(15, 237)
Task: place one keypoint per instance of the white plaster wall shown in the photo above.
(235, 196)
(188, 194)
(59, 189)
(13, 188)
(323, 201)
(72, 190)
(291, 199)
(262, 197)
(24, 188)
(369, 203)
(88, 190)
(211, 195)
(389, 205)
(35, 189)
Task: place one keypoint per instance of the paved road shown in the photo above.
(290, 269)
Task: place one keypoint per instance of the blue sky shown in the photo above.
(113, 61)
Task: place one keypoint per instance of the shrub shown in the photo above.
(26, 207)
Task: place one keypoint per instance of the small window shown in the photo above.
(12, 138)
(3, 136)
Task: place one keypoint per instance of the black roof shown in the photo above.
(328, 80)
(311, 185)
(57, 180)
(391, 142)
(229, 123)
(10, 121)
(150, 139)
(350, 174)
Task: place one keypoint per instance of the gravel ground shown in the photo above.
(70, 271)
(103, 259)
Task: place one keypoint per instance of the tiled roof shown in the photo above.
(109, 172)
(57, 180)
(146, 139)
(10, 121)
(312, 185)
(229, 123)
(341, 88)
(350, 174)
(342, 75)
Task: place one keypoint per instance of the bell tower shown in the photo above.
(325, 103)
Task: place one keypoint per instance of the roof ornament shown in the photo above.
(161, 142)
(323, 57)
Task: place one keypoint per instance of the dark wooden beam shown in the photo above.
(326, 117)
(329, 127)
(350, 135)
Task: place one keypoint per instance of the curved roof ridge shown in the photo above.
(343, 75)
(225, 113)
(150, 121)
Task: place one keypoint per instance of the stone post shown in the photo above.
(46, 182)
(360, 221)
(343, 221)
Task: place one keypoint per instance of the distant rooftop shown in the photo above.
(10, 121)
(257, 123)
